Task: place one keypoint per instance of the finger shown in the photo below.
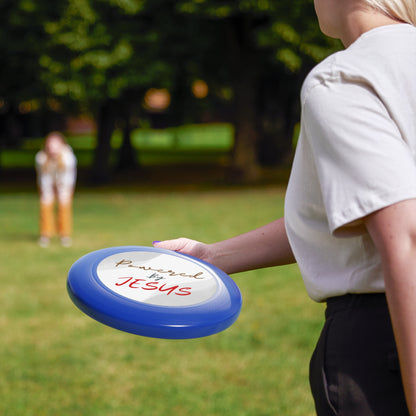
(176, 244)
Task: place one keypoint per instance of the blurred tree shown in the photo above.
(260, 51)
(105, 54)
(22, 41)
(101, 56)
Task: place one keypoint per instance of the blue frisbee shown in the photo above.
(154, 292)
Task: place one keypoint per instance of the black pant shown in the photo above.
(354, 370)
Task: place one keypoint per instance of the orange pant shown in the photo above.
(49, 226)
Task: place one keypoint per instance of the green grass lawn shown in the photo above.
(56, 361)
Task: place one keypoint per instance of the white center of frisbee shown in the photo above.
(157, 278)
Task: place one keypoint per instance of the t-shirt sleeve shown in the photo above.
(363, 162)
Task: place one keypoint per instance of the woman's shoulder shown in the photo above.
(381, 46)
(323, 73)
(372, 60)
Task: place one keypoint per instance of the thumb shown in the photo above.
(185, 246)
(176, 244)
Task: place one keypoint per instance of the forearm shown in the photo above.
(263, 247)
(401, 295)
(393, 230)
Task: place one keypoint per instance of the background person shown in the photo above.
(56, 176)
(350, 211)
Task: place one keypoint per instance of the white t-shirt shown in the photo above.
(56, 178)
(356, 154)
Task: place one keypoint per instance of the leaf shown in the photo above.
(289, 58)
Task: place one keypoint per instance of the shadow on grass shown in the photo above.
(149, 179)
(16, 237)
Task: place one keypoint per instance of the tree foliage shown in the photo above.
(267, 47)
(101, 56)
(22, 41)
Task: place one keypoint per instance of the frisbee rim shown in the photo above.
(204, 318)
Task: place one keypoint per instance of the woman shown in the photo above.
(350, 211)
(56, 174)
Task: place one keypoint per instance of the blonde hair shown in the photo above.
(56, 135)
(57, 162)
(403, 10)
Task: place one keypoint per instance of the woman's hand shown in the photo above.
(187, 246)
(266, 246)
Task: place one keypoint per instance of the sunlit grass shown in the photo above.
(54, 360)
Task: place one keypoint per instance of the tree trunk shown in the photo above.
(127, 155)
(101, 171)
(280, 112)
(244, 165)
